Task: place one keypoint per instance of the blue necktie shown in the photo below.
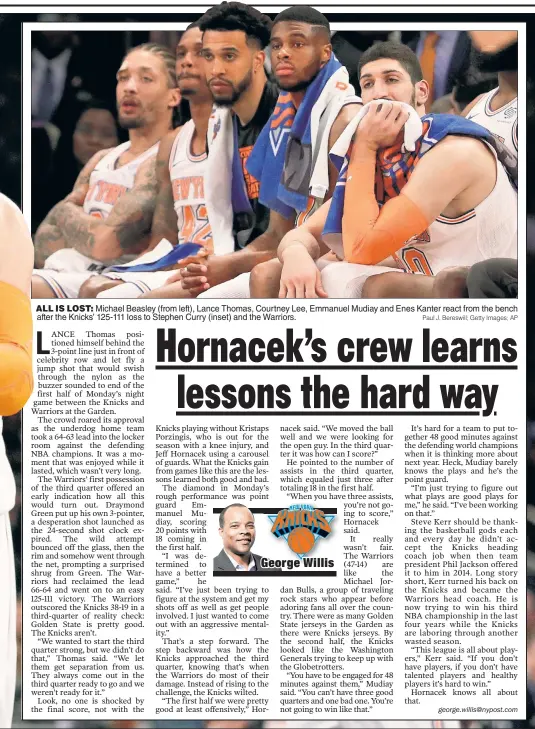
(45, 100)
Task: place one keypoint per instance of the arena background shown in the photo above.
(98, 78)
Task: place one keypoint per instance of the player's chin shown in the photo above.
(223, 99)
(290, 83)
(131, 122)
(189, 88)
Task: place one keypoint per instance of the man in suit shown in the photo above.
(68, 69)
(237, 530)
(445, 57)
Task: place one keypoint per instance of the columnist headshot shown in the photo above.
(237, 530)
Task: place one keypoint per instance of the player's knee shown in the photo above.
(41, 290)
(450, 283)
(264, 276)
(91, 288)
(378, 287)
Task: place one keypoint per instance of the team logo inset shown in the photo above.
(301, 525)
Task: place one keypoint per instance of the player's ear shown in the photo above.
(421, 92)
(174, 98)
(326, 53)
(258, 61)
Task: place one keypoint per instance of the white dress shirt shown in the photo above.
(239, 567)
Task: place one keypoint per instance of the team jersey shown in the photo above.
(108, 182)
(187, 172)
(247, 136)
(487, 231)
(502, 122)
(7, 488)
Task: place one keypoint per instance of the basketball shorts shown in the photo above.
(343, 280)
(134, 284)
(66, 270)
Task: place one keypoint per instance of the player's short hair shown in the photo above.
(195, 24)
(406, 57)
(304, 14)
(167, 56)
(238, 16)
(222, 514)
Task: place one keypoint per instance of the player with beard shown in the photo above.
(495, 110)
(180, 215)
(234, 36)
(107, 217)
(427, 220)
(300, 48)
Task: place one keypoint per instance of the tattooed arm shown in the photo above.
(164, 222)
(125, 230)
(49, 238)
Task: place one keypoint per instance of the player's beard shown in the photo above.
(131, 123)
(237, 91)
(412, 101)
(190, 91)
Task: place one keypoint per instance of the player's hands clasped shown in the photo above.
(199, 276)
(382, 124)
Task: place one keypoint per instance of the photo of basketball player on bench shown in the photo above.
(322, 170)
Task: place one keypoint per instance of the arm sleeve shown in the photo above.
(16, 377)
(371, 234)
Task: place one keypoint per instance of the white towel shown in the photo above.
(412, 132)
(331, 100)
(218, 180)
(162, 249)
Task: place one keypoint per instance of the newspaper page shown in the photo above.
(388, 549)
(276, 510)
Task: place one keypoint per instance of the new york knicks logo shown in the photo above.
(301, 525)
